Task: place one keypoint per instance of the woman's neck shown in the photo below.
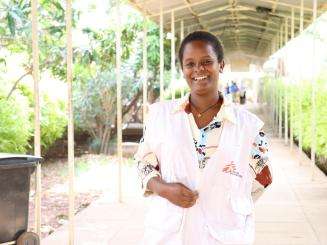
(202, 102)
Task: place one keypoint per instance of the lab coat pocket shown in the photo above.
(163, 215)
(242, 207)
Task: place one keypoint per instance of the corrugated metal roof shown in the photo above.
(242, 25)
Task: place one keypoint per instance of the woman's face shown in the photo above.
(201, 67)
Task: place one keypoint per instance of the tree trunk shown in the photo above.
(29, 72)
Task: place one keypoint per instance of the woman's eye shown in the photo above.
(208, 62)
(189, 65)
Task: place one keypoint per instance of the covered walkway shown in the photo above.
(292, 211)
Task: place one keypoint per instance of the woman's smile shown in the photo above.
(201, 67)
(201, 81)
(200, 78)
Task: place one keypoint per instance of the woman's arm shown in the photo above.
(152, 183)
(260, 166)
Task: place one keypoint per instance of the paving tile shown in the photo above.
(293, 211)
(285, 233)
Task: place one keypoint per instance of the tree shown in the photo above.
(94, 64)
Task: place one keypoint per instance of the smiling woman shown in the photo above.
(201, 161)
(201, 56)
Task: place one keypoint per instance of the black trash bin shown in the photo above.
(15, 172)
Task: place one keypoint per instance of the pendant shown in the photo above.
(199, 115)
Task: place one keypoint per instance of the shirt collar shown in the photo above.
(226, 111)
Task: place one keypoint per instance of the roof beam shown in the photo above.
(257, 17)
(246, 37)
(248, 32)
(260, 42)
(195, 15)
(180, 7)
(243, 36)
(246, 24)
(233, 4)
(224, 14)
(139, 8)
(275, 3)
(218, 9)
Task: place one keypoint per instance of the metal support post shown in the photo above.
(145, 69)
(37, 128)
(286, 89)
(70, 121)
(119, 105)
(161, 44)
(172, 49)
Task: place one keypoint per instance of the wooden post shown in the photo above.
(161, 44)
(119, 106)
(37, 128)
(172, 49)
(70, 120)
(145, 69)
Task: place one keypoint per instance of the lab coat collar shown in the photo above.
(226, 111)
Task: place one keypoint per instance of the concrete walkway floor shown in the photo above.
(292, 211)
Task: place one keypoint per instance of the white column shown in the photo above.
(172, 49)
(280, 116)
(275, 109)
(182, 30)
(119, 106)
(301, 16)
(161, 55)
(70, 120)
(291, 91)
(37, 128)
(145, 69)
(286, 88)
(313, 99)
(182, 37)
(281, 37)
(300, 92)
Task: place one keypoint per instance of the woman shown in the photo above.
(201, 158)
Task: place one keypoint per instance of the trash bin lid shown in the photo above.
(8, 160)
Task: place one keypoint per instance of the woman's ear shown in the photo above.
(221, 66)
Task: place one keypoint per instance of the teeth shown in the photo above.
(200, 78)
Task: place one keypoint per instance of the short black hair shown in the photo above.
(202, 36)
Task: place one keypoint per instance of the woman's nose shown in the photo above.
(199, 67)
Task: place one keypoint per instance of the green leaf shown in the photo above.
(11, 24)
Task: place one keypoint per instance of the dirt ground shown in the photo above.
(54, 207)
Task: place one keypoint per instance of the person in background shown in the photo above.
(202, 161)
(242, 94)
(234, 91)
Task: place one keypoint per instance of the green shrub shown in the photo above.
(15, 127)
(53, 121)
(321, 110)
(53, 118)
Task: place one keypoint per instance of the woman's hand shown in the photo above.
(180, 195)
(176, 193)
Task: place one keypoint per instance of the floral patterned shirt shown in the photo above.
(205, 142)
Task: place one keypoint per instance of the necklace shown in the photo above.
(199, 114)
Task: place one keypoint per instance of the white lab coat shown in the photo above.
(223, 213)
